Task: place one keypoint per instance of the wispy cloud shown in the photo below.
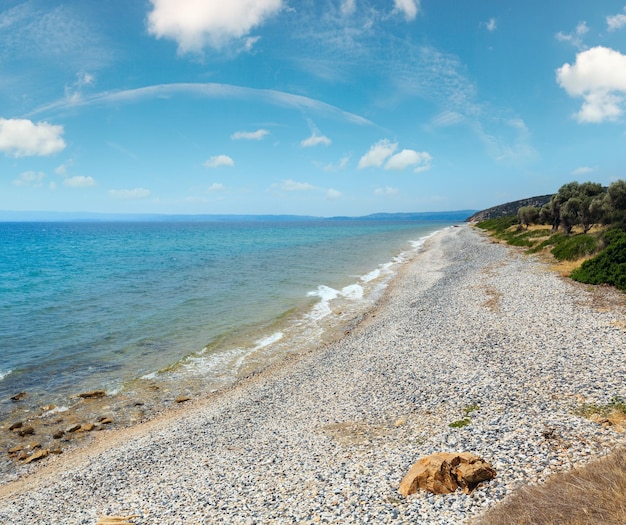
(583, 170)
(575, 37)
(215, 187)
(330, 167)
(292, 185)
(219, 160)
(249, 135)
(491, 25)
(131, 194)
(209, 90)
(315, 140)
(33, 179)
(24, 138)
(79, 181)
(333, 195)
(386, 191)
(616, 22)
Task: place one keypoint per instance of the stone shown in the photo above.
(181, 399)
(40, 454)
(74, 428)
(105, 420)
(16, 425)
(18, 397)
(86, 427)
(25, 431)
(58, 434)
(445, 472)
(94, 394)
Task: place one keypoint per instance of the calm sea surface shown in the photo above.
(99, 305)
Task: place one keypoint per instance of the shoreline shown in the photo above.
(322, 431)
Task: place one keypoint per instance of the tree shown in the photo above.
(527, 215)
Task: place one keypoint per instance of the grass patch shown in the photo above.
(593, 494)
(575, 247)
(460, 423)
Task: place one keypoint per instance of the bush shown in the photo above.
(608, 267)
(575, 247)
(498, 225)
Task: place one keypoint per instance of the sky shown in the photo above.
(309, 107)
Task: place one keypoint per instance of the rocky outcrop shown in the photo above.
(445, 472)
(510, 208)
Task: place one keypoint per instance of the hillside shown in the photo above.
(510, 208)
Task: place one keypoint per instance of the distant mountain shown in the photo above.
(510, 208)
(28, 216)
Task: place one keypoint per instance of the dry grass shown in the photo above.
(595, 494)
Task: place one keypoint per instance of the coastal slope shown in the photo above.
(469, 331)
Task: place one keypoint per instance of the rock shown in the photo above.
(18, 397)
(58, 434)
(40, 454)
(16, 449)
(181, 399)
(74, 428)
(87, 427)
(444, 472)
(16, 425)
(94, 394)
(25, 431)
(105, 420)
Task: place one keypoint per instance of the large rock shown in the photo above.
(444, 472)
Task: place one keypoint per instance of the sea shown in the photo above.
(190, 307)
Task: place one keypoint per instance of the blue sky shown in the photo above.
(325, 107)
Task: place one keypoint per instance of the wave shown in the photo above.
(3, 374)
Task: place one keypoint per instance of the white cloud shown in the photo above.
(79, 181)
(292, 185)
(599, 77)
(447, 118)
(194, 24)
(408, 7)
(216, 186)
(23, 138)
(377, 154)
(576, 37)
(491, 24)
(219, 160)
(332, 194)
(409, 157)
(387, 190)
(62, 169)
(30, 178)
(616, 21)
(348, 7)
(135, 193)
(74, 92)
(583, 170)
(314, 140)
(249, 135)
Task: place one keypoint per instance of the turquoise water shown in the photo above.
(96, 305)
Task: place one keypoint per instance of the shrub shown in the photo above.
(572, 248)
(608, 267)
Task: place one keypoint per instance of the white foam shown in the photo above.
(326, 294)
(149, 376)
(4, 374)
(374, 274)
(269, 340)
(55, 410)
(353, 291)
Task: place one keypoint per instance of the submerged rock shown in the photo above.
(94, 394)
(445, 472)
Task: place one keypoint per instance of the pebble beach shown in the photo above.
(473, 347)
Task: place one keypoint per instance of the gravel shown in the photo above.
(468, 329)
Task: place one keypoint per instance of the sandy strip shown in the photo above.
(327, 436)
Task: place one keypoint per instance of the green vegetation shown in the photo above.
(588, 410)
(460, 423)
(466, 420)
(587, 220)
